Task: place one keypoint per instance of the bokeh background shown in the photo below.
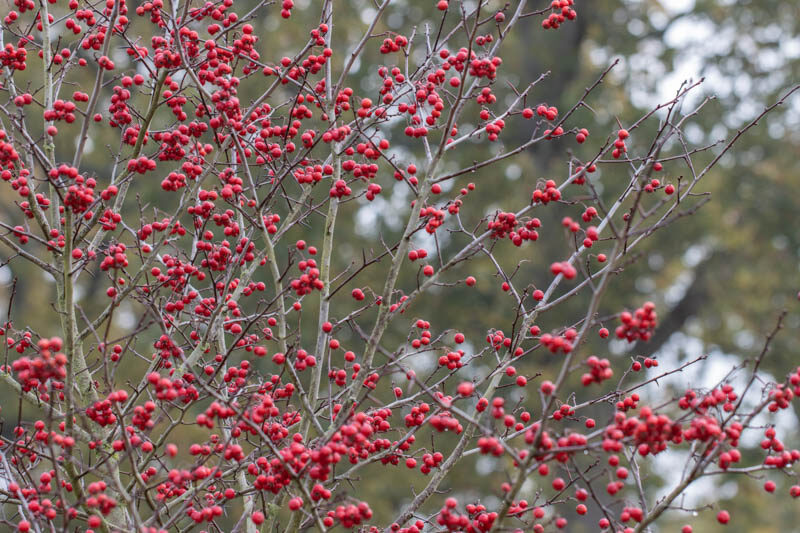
(718, 278)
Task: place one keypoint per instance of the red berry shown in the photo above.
(465, 388)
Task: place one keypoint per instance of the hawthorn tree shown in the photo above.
(229, 377)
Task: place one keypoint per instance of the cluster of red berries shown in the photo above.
(648, 362)
(780, 397)
(340, 189)
(309, 280)
(48, 364)
(650, 432)
(61, 111)
(433, 217)
(168, 349)
(20, 184)
(393, 45)
(80, 194)
(115, 257)
(503, 224)
(580, 178)
(120, 112)
(417, 415)
(600, 370)
(39, 506)
(559, 343)
(102, 413)
(476, 519)
(639, 325)
(782, 457)
(8, 156)
(349, 516)
(563, 268)
(142, 416)
(561, 11)
(272, 413)
(619, 145)
(494, 129)
(547, 193)
(141, 165)
(444, 421)
(14, 57)
(490, 446)
(724, 396)
(549, 113)
(498, 340)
